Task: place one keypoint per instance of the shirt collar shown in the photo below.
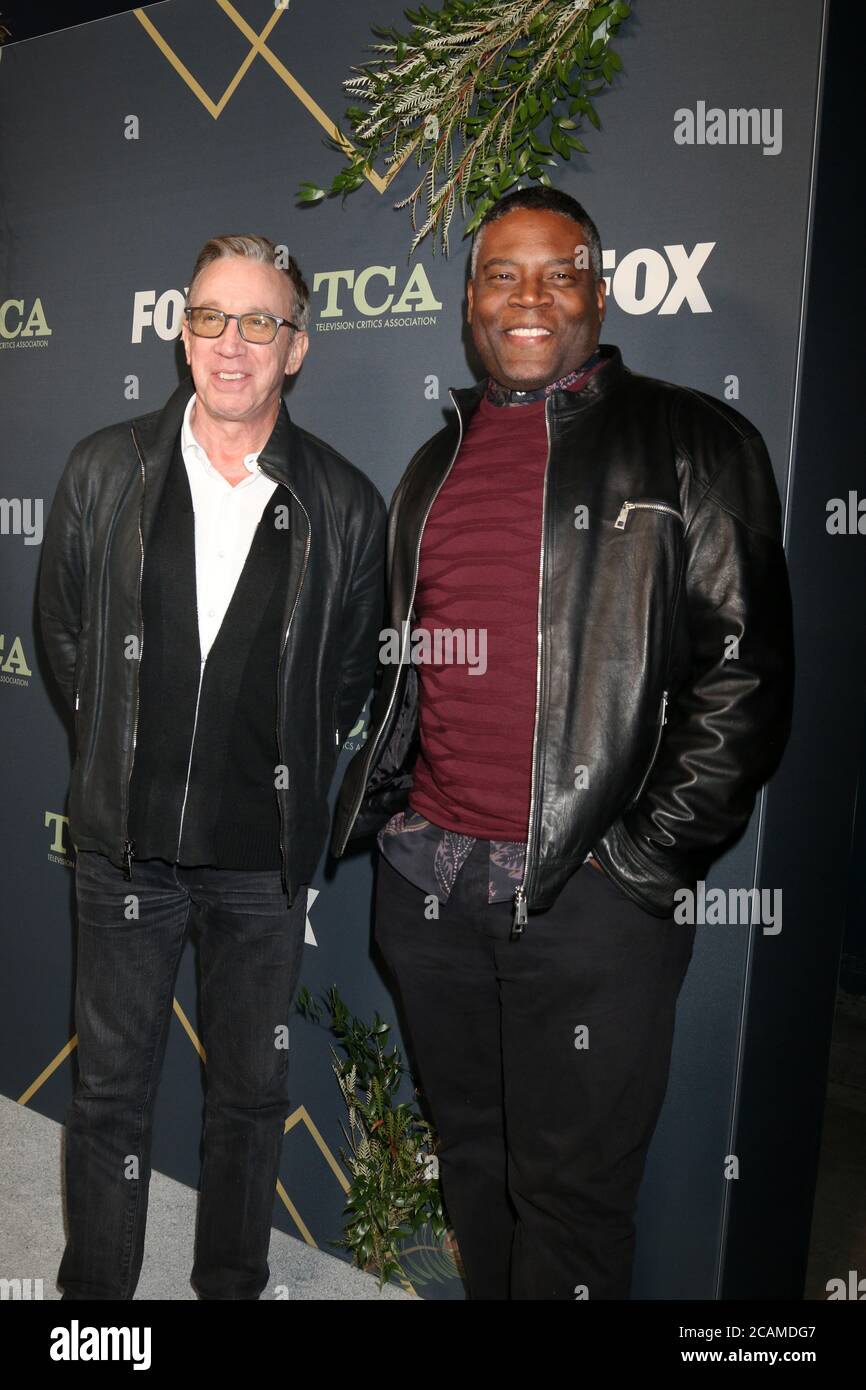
(189, 444)
(501, 395)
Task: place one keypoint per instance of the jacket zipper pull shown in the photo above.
(623, 516)
(129, 855)
(519, 914)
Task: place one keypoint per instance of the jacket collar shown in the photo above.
(564, 404)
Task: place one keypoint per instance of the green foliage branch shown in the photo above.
(391, 1154)
(481, 94)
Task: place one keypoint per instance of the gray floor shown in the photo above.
(33, 1237)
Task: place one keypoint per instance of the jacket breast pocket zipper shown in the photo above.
(628, 507)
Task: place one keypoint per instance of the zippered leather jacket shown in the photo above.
(90, 609)
(665, 650)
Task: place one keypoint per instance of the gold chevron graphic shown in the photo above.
(258, 48)
(300, 1116)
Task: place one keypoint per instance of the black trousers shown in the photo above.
(250, 948)
(544, 1063)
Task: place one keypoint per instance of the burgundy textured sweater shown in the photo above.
(478, 569)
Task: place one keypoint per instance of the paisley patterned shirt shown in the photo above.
(431, 857)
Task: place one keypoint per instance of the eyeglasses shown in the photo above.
(253, 328)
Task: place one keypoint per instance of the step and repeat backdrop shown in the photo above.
(125, 145)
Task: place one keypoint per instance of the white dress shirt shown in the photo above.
(226, 518)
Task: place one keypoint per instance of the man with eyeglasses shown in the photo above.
(210, 597)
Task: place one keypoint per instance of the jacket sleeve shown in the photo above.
(61, 580)
(362, 618)
(729, 722)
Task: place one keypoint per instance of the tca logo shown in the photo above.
(415, 297)
(16, 322)
(13, 662)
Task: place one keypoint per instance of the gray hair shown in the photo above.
(257, 248)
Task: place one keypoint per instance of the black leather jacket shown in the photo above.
(89, 604)
(665, 648)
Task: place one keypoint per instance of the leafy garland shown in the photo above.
(483, 93)
(395, 1190)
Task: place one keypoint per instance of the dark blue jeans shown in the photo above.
(131, 935)
(544, 1062)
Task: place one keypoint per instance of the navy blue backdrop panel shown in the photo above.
(125, 145)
